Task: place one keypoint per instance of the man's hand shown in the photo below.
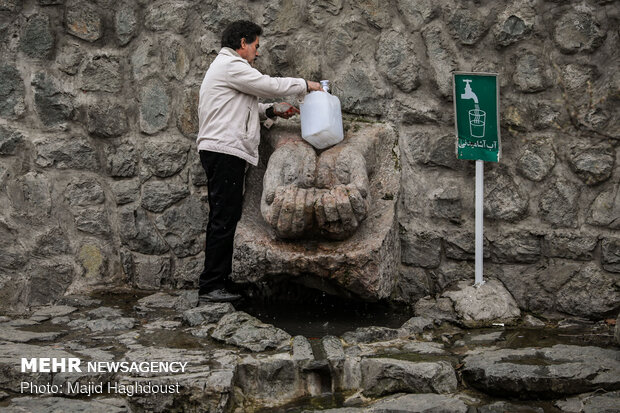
(314, 86)
(284, 110)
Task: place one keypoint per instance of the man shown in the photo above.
(228, 138)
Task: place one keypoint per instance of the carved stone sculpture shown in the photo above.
(324, 219)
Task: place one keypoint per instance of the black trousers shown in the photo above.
(225, 176)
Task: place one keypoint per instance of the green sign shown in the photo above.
(476, 112)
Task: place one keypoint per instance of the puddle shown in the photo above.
(321, 314)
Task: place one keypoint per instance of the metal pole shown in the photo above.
(479, 220)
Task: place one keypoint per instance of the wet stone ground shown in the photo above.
(302, 358)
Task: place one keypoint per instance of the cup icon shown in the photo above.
(477, 121)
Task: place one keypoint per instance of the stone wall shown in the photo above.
(101, 186)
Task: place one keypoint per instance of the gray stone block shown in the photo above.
(578, 31)
(558, 203)
(53, 106)
(467, 26)
(531, 75)
(591, 292)
(422, 249)
(107, 119)
(605, 210)
(10, 140)
(157, 196)
(441, 59)
(125, 24)
(84, 191)
(69, 58)
(121, 159)
(83, 20)
(126, 191)
(183, 227)
(165, 155)
(187, 114)
(92, 220)
(154, 107)
(516, 247)
(102, 72)
(504, 199)
(398, 62)
(169, 15)
(610, 254)
(138, 233)
(569, 246)
(38, 40)
(536, 160)
(593, 164)
(66, 153)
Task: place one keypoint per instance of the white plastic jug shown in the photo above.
(321, 118)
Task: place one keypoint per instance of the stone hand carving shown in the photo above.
(305, 194)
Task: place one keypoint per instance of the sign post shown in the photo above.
(476, 119)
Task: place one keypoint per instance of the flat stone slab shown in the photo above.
(591, 403)
(54, 311)
(61, 404)
(243, 330)
(409, 403)
(381, 376)
(543, 373)
(10, 333)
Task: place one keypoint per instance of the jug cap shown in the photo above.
(325, 85)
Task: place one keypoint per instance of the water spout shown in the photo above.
(469, 94)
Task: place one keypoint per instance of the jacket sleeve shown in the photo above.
(248, 80)
(262, 109)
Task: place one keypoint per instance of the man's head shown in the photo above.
(242, 36)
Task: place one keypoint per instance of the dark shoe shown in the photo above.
(219, 296)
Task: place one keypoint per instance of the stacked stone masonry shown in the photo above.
(100, 184)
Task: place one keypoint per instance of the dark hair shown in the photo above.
(240, 29)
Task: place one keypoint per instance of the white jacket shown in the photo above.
(228, 110)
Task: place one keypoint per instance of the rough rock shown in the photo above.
(420, 249)
(243, 330)
(441, 59)
(10, 140)
(114, 324)
(559, 203)
(53, 105)
(503, 198)
(83, 20)
(15, 335)
(38, 40)
(370, 334)
(483, 305)
(399, 64)
(70, 58)
(360, 91)
(590, 293)
(84, 191)
(536, 160)
(447, 203)
(417, 13)
(567, 245)
(165, 156)
(176, 59)
(441, 309)
(169, 15)
(578, 31)
(187, 116)
(593, 164)
(121, 160)
(417, 325)
(610, 251)
(531, 75)
(138, 233)
(157, 196)
(382, 376)
(514, 24)
(154, 107)
(126, 191)
(107, 120)
(102, 72)
(125, 24)
(182, 227)
(590, 403)
(516, 247)
(542, 372)
(146, 271)
(409, 403)
(605, 210)
(12, 92)
(207, 313)
(30, 196)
